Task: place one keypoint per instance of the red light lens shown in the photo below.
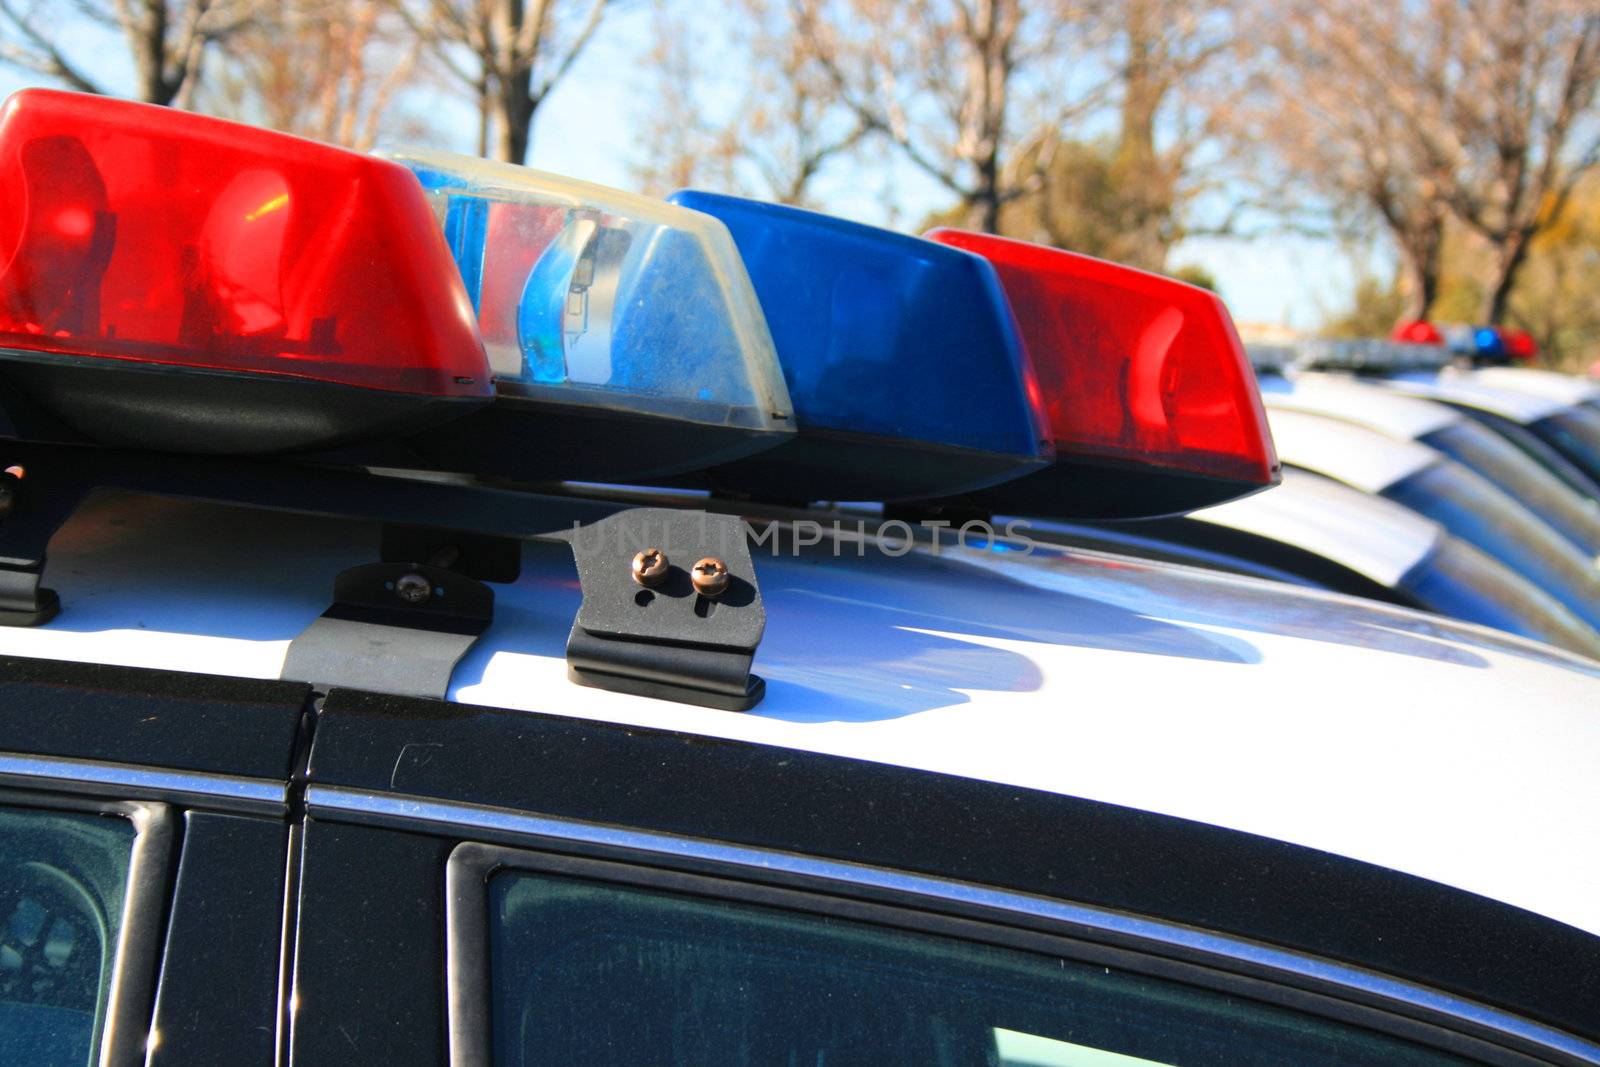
(1417, 332)
(1133, 366)
(1519, 343)
(159, 236)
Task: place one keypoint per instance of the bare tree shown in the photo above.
(332, 72)
(786, 126)
(1330, 112)
(681, 146)
(511, 54)
(949, 83)
(1507, 123)
(167, 40)
(1435, 110)
(1124, 196)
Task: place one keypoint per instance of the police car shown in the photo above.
(1362, 401)
(314, 756)
(1551, 417)
(1317, 533)
(1433, 485)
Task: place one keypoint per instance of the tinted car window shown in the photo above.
(1535, 448)
(1575, 517)
(1475, 511)
(1575, 433)
(593, 973)
(1458, 580)
(63, 877)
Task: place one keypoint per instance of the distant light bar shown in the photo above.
(1271, 357)
(908, 376)
(1369, 354)
(175, 281)
(624, 335)
(1151, 400)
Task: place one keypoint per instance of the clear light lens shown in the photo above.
(588, 295)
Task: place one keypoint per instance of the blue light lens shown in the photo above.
(1488, 342)
(880, 333)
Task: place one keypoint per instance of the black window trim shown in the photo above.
(130, 998)
(97, 777)
(897, 898)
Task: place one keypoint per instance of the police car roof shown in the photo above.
(1358, 456)
(1372, 536)
(1354, 400)
(1546, 383)
(1462, 389)
(1426, 746)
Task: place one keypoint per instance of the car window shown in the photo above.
(63, 877)
(1574, 516)
(598, 973)
(1575, 433)
(1471, 508)
(1463, 582)
(1537, 449)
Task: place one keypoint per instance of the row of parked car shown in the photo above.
(1418, 472)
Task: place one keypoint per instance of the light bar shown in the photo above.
(1151, 400)
(908, 376)
(624, 335)
(1369, 355)
(1271, 357)
(1482, 344)
(175, 281)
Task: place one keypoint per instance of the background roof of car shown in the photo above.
(1515, 404)
(1372, 536)
(1353, 400)
(1355, 455)
(1563, 387)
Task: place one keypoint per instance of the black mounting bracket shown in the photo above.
(392, 628)
(30, 514)
(667, 640)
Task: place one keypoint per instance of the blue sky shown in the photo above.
(587, 129)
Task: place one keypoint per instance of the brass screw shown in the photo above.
(413, 588)
(710, 576)
(650, 567)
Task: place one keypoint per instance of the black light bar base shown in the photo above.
(529, 440)
(1108, 491)
(122, 404)
(819, 465)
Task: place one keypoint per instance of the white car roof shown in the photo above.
(1457, 388)
(1546, 383)
(1372, 536)
(1432, 747)
(1359, 457)
(1354, 400)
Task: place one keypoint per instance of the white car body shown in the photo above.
(1362, 458)
(1374, 537)
(1357, 400)
(1546, 383)
(1427, 746)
